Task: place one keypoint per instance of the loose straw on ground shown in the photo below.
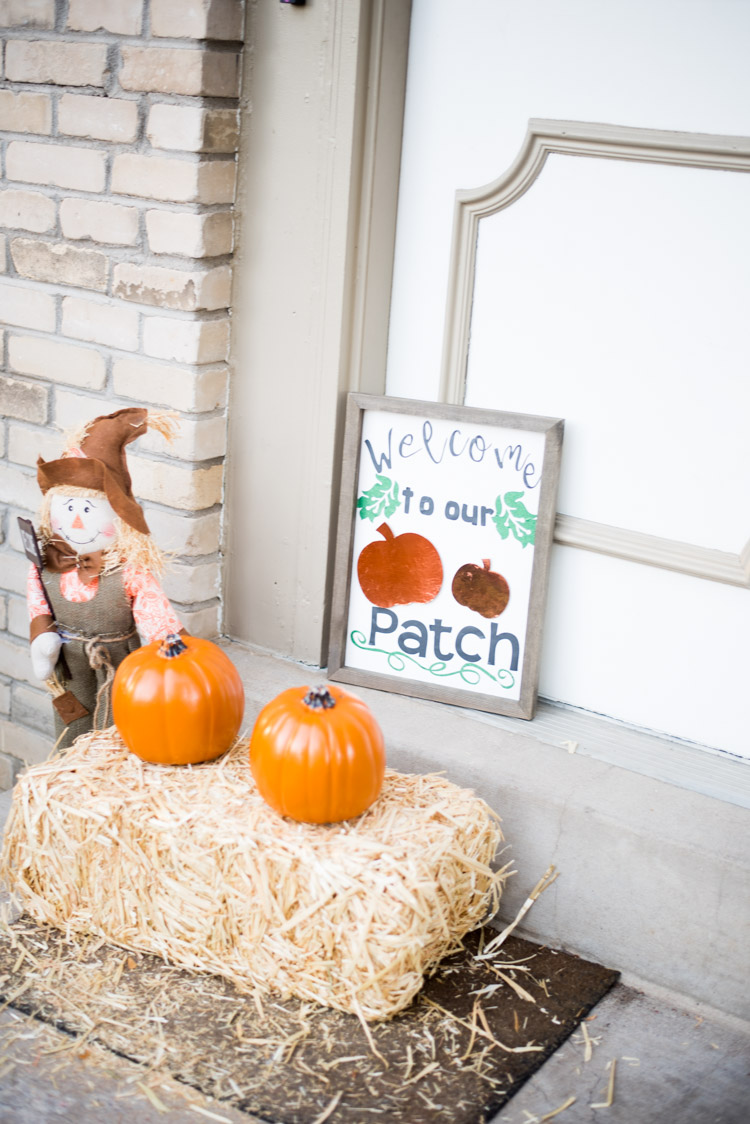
(543, 884)
(557, 1111)
(189, 863)
(610, 1088)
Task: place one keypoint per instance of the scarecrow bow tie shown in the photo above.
(60, 558)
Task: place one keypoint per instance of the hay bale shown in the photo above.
(188, 862)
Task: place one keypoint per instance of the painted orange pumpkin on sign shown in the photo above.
(400, 570)
(481, 589)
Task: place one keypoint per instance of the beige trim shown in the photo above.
(649, 550)
(572, 138)
(378, 193)
(319, 160)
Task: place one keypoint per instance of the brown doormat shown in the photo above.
(475, 1033)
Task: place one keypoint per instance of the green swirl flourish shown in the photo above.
(470, 673)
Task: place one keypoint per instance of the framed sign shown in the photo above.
(445, 530)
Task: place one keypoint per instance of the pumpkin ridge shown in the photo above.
(369, 767)
(208, 714)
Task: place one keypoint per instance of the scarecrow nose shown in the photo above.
(77, 523)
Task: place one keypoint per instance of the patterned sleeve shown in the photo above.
(154, 616)
(35, 598)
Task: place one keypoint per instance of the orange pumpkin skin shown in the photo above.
(180, 709)
(400, 569)
(320, 760)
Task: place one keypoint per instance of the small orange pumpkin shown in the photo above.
(178, 701)
(481, 589)
(317, 755)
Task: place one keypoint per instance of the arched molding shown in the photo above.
(613, 142)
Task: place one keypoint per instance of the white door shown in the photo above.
(612, 293)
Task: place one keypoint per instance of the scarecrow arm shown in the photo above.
(45, 650)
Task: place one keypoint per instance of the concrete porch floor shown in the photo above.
(676, 1057)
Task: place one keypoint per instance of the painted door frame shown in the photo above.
(323, 105)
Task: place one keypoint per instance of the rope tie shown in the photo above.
(97, 653)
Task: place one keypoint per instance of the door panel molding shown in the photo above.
(650, 550)
(614, 142)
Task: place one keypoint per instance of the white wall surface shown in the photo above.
(611, 295)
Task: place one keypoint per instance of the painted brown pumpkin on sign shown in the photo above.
(481, 589)
(400, 570)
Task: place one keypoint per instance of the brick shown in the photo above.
(59, 264)
(192, 536)
(25, 112)
(197, 19)
(27, 210)
(10, 767)
(25, 444)
(176, 485)
(18, 489)
(197, 439)
(191, 128)
(28, 401)
(106, 223)
(59, 165)
(27, 13)
(174, 70)
(100, 322)
(123, 17)
(188, 584)
(188, 234)
(217, 181)
(186, 341)
(15, 565)
(62, 64)
(23, 746)
(56, 361)
(18, 617)
(111, 119)
(26, 308)
(160, 384)
(4, 687)
(3, 254)
(173, 288)
(73, 408)
(173, 180)
(201, 622)
(32, 708)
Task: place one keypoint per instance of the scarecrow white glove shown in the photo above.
(45, 649)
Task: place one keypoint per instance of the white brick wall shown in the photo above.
(119, 127)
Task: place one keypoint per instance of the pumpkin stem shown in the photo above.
(319, 698)
(486, 563)
(385, 531)
(172, 646)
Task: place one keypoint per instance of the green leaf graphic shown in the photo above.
(513, 518)
(380, 500)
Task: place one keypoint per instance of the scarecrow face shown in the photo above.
(87, 523)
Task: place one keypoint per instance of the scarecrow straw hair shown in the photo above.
(189, 863)
(131, 547)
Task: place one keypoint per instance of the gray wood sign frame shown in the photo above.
(552, 429)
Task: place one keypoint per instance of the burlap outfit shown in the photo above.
(106, 617)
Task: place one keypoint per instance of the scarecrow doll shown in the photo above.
(93, 593)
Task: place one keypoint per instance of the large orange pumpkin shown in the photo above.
(317, 755)
(399, 569)
(178, 701)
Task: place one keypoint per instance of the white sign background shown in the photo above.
(462, 468)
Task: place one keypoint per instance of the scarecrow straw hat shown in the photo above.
(99, 463)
